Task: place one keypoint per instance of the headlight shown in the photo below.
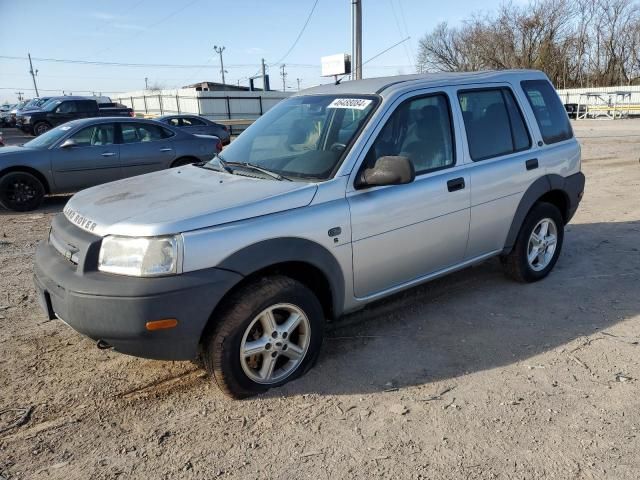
(139, 257)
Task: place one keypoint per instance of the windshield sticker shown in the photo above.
(354, 103)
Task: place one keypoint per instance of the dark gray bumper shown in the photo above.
(115, 308)
(574, 186)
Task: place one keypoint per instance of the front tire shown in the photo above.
(268, 333)
(40, 128)
(538, 245)
(21, 191)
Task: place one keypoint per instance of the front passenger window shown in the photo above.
(420, 129)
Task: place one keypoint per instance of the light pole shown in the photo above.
(219, 51)
(146, 83)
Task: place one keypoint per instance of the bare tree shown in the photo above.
(576, 42)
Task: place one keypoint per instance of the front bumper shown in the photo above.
(115, 308)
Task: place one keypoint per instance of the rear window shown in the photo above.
(493, 123)
(548, 110)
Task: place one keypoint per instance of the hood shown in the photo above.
(179, 200)
(15, 150)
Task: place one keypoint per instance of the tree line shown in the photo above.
(577, 43)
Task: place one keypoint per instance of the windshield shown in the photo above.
(49, 138)
(50, 104)
(302, 137)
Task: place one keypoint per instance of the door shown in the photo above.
(503, 164)
(63, 113)
(144, 148)
(404, 232)
(94, 158)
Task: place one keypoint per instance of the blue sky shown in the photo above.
(185, 31)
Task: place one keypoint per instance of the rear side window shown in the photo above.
(548, 110)
(493, 123)
(142, 132)
(192, 122)
(86, 106)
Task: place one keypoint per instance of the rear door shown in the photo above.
(402, 233)
(195, 125)
(94, 159)
(502, 161)
(144, 148)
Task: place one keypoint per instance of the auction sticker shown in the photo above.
(354, 103)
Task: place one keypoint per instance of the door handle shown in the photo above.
(108, 154)
(532, 164)
(165, 149)
(455, 184)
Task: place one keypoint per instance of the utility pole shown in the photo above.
(146, 83)
(219, 51)
(265, 77)
(20, 97)
(33, 75)
(298, 80)
(283, 74)
(356, 31)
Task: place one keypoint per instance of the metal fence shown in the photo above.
(216, 106)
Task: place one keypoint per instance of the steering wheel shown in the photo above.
(338, 147)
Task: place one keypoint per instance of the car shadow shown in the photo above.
(477, 319)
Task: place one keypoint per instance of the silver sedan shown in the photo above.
(88, 152)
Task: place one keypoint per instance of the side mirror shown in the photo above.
(388, 170)
(69, 143)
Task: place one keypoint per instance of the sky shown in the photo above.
(185, 32)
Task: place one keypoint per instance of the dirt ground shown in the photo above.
(471, 377)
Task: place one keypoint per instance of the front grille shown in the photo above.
(78, 247)
(68, 251)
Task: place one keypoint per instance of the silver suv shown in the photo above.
(338, 196)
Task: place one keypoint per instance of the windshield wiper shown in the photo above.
(250, 166)
(222, 163)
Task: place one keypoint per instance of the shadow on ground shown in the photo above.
(478, 319)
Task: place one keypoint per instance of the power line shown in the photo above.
(128, 64)
(295, 42)
(137, 34)
(400, 31)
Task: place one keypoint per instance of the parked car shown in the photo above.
(61, 110)
(336, 197)
(84, 153)
(197, 124)
(5, 114)
(572, 109)
(10, 119)
(5, 108)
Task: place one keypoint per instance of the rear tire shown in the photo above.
(21, 191)
(276, 317)
(40, 128)
(538, 245)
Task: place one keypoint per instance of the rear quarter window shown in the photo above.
(550, 114)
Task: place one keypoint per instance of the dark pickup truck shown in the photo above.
(64, 109)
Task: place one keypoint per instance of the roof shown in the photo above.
(222, 87)
(382, 84)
